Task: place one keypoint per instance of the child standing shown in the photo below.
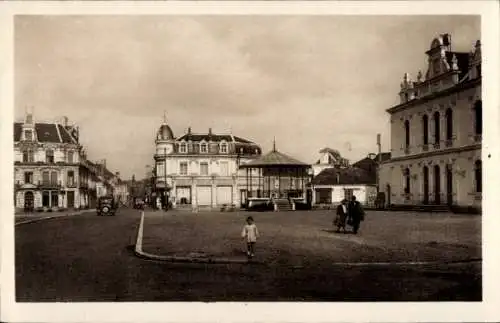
(250, 234)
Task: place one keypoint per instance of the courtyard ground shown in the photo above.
(307, 238)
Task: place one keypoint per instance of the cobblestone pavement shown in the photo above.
(89, 258)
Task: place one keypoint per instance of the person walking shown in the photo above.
(250, 234)
(341, 216)
(356, 214)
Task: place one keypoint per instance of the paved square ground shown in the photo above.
(307, 238)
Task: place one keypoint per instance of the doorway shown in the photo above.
(29, 202)
(71, 199)
(426, 185)
(437, 185)
(449, 185)
(388, 189)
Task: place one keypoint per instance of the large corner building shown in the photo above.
(201, 169)
(436, 133)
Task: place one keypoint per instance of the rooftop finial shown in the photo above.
(164, 117)
(274, 143)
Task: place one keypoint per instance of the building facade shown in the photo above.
(436, 133)
(51, 170)
(334, 184)
(201, 170)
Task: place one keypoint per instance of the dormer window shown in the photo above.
(223, 148)
(203, 148)
(183, 148)
(436, 67)
(28, 135)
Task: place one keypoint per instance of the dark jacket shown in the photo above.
(355, 211)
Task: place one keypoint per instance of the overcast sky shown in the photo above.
(312, 82)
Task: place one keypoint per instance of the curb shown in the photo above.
(139, 252)
(53, 217)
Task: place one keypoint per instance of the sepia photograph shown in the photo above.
(237, 157)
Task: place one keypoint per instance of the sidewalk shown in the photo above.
(38, 216)
(305, 238)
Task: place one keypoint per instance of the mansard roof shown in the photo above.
(46, 132)
(214, 138)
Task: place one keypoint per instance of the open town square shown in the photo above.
(248, 159)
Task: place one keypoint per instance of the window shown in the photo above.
(53, 178)
(203, 168)
(478, 117)
(28, 156)
(425, 126)
(203, 148)
(478, 173)
(182, 148)
(49, 156)
(45, 178)
(70, 157)
(160, 169)
(406, 175)
(224, 168)
(407, 134)
(449, 124)
(28, 135)
(324, 195)
(71, 178)
(437, 128)
(28, 177)
(183, 168)
(223, 148)
(45, 199)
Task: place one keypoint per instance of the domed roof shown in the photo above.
(165, 133)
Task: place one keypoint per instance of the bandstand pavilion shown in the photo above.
(281, 180)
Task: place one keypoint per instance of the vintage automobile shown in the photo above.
(106, 205)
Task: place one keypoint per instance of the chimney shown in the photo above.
(210, 131)
(189, 130)
(65, 121)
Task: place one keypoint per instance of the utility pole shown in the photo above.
(379, 161)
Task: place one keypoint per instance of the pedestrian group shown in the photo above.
(349, 213)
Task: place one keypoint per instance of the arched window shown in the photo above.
(478, 173)
(406, 175)
(425, 129)
(449, 124)
(407, 134)
(437, 128)
(478, 117)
